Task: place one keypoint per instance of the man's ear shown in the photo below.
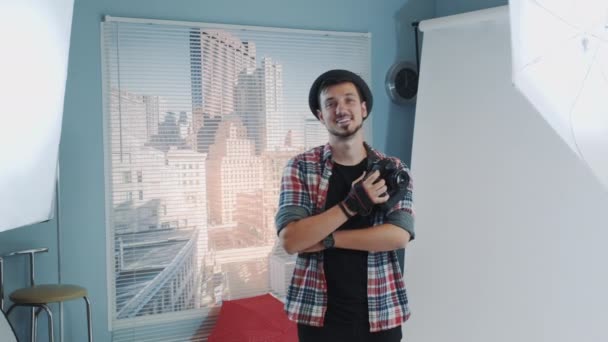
(364, 109)
(320, 116)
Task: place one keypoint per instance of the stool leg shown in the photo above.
(50, 315)
(33, 325)
(10, 309)
(38, 310)
(34, 314)
(89, 327)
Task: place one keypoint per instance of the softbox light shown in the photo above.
(560, 63)
(34, 35)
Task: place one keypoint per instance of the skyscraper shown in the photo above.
(135, 120)
(216, 60)
(232, 168)
(273, 103)
(259, 104)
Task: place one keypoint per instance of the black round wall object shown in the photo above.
(402, 82)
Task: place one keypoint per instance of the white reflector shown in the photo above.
(34, 35)
(560, 63)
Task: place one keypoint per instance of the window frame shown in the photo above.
(114, 323)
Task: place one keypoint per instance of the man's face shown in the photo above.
(342, 111)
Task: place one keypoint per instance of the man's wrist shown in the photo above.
(358, 201)
(349, 213)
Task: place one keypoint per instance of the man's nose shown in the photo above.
(340, 107)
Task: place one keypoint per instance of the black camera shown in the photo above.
(396, 180)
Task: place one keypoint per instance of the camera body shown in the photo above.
(396, 180)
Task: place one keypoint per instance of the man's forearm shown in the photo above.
(384, 237)
(302, 234)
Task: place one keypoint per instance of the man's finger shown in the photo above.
(381, 190)
(372, 177)
(382, 199)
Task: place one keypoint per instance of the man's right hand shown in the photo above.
(365, 193)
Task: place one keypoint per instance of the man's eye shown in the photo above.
(329, 105)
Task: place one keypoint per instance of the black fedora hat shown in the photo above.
(334, 77)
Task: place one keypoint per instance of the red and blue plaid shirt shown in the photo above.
(304, 188)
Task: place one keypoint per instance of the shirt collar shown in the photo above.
(372, 154)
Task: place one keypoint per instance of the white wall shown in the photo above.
(511, 226)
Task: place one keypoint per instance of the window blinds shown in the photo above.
(200, 120)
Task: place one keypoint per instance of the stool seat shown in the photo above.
(47, 293)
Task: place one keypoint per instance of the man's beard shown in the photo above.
(346, 134)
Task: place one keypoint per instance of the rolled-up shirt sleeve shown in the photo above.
(294, 198)
(402, 214)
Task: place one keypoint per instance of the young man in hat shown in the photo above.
(347, 283)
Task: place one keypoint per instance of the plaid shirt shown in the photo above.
(303, 193)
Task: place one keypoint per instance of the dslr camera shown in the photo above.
(396, 180)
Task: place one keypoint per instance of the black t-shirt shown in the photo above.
(346, 269)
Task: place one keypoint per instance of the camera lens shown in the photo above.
(401, 179)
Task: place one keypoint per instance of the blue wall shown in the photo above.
(82, 212)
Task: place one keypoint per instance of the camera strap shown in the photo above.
(372, 157)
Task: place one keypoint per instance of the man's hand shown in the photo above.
(375, 187)
(365, 193)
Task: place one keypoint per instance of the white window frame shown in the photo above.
(110, 243)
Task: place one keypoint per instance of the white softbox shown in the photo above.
(34, 35)
(560, 63)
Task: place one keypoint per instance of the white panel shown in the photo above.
(33, 67)
(511, 229)
(559, 64)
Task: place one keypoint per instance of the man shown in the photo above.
(347, 283)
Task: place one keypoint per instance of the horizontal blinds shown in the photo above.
(199, 123)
